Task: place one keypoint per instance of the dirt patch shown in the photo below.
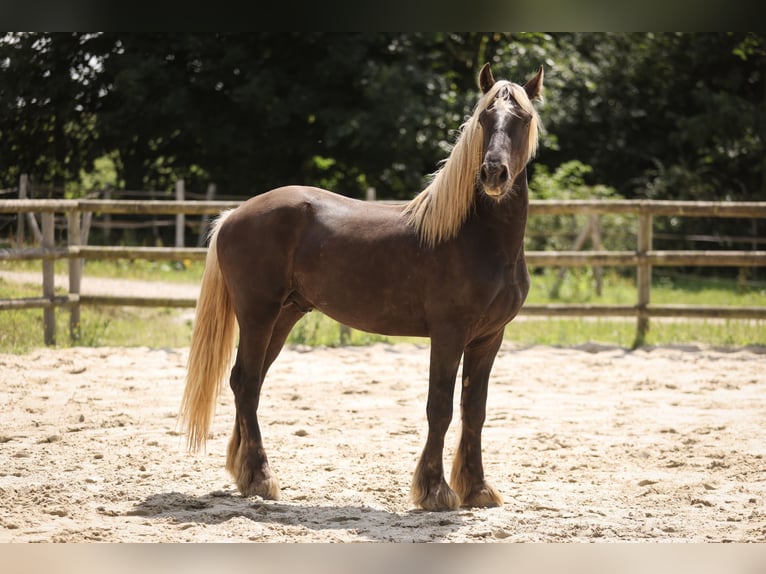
(589, 444)
(107, 285)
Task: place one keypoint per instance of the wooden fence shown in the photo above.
(643, 258)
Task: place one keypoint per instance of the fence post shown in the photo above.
(595, 239)
(107, 216)
(74, 238)
(180, 217)
(49, 313)
(23, 179)
(30, 217)
(643, 276)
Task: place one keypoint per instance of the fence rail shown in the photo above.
(643, 258)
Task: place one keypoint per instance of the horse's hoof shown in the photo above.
(440, 498)
(267, 489)
(484, 497)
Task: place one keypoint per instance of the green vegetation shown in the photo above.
(622, 332)
(668, 287)
(22, 331)
(656, 114)
(626, 115)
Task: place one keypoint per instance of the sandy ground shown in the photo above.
(588, 444)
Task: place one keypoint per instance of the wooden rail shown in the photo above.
(643, 258)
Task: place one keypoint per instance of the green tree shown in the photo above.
(672, 116)
(47, 88)
(253, 111)
(654, 115)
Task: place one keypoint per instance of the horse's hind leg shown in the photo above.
(247, 461)
(467, 478)
(260, 343)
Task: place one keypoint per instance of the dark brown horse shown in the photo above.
(449, 265)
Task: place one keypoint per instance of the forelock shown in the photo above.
(508, 97)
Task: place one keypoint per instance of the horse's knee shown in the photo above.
(235, 377)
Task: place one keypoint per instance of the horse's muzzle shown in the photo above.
(495, 179)
(494, 175)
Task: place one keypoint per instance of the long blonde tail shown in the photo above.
(212, 343)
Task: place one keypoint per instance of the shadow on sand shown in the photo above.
(366, 522)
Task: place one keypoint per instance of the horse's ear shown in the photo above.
(534, 87)
(486, 81)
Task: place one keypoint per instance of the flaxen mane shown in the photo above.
(439, 211)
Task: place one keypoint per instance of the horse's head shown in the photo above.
(510, 126)
(492, 149)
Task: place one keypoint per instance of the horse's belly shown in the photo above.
(375, 309)
(365, 276)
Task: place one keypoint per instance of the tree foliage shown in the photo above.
(654, 115)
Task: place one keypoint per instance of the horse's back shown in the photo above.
(356, 261)
(296, 200)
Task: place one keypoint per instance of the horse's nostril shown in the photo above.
(494, 173)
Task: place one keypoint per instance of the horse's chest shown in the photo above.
(505, 293)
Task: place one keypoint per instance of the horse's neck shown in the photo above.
(507, 219)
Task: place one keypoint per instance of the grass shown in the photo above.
(622, 332)
(668, 287)
(21, 331)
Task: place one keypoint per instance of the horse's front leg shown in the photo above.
(429, 489)
(467, 477)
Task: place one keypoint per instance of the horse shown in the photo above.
(447, 265)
